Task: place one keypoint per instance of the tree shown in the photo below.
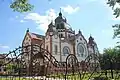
(115, 6)
(21, 5)
(111, 58)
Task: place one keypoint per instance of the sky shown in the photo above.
(93, 17)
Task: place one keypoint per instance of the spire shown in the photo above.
(27, 30)
(91, 38)
(60, 14)
(50, 27)
(79, 31)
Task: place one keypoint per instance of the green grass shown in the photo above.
(69, 76)
(16, 79)
(86, 76)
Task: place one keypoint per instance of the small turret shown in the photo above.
(91, 41)
(27, 30)
(60, 18)
(50, 27)
(79, 31)
(60, 14)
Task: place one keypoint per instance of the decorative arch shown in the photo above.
(81, 50)
(66, 50)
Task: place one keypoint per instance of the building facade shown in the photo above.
(2, 62)
(61, 40)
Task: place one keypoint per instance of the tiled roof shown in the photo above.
(2, 56)
(36, 36)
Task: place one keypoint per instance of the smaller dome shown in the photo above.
(91, 38)
(50, 27)
(91, 41)
(79, 31)
(60, 14)
(60, 18)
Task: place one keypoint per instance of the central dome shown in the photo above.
(60, 18)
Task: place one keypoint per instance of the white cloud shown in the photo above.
(42, 20)
(69, 9)
(4, 46)
(16, 17)
(22, 21)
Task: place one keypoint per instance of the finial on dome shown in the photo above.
(91, 38)
(60, 14)
(79, 31)
(27, 30)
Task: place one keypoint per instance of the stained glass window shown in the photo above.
(66, 50)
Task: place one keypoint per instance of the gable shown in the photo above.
(25, 38)
(80, 37)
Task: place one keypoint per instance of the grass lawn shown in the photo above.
(85, 76)
(69, 76)
(16, 78)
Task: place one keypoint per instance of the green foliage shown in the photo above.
(116, 31)
(11, 67)
(110, 52)
(113, 3)
(111, 56)
(21, 6)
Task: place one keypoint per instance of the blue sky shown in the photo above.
(91, 16)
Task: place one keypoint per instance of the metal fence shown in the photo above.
(33, 62)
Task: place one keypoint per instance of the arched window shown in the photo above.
(58, 26)
(56, 48)
(62, 26)
(61, 35)
(66, 50)
(81, 50)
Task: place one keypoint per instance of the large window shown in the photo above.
(62, 26)
(66, 50)
(56, 49)
(81, 49)
(61, 35)
(58, 26)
